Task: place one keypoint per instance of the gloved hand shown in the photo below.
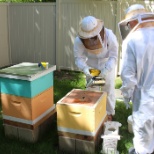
(104, 72)
(86, 71)
(126, 101)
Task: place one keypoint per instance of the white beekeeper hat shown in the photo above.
(134, 12)
(90, 27)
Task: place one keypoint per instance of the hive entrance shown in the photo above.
(112, 129)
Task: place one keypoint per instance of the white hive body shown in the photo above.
(110, 137)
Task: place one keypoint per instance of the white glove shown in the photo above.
(126, 101)
(86, 71)
(104, 72)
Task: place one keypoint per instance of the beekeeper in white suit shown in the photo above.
(96, 47)
(137, 73)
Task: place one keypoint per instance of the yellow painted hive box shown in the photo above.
(27, 110)
(81, 112)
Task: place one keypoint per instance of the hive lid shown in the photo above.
(81, 97)
(25, 71)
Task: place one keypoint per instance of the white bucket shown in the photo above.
(130, 122)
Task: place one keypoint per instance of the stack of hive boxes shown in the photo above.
(27, 100)
(80, 118)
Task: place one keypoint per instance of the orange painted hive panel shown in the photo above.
(27, 108)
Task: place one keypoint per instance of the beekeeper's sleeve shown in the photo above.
(128, 71)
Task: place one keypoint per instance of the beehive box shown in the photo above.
(81, 112)
(27, 109)
(26, 79)
(27, 99)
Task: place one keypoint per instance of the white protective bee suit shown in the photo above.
(137, 74)
(105, 57)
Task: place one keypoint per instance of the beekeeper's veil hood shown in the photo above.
(134, 12)
(91, 27)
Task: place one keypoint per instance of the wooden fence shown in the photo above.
(34, 32)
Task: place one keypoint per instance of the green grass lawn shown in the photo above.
(65, 81)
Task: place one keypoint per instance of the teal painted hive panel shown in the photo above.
(26, 88)
(26, 79)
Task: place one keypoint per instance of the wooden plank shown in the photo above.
(27, 126)
(84, 137)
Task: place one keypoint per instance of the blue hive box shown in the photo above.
(26, 79)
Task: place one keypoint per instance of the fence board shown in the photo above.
(32, 32)
(4, 38)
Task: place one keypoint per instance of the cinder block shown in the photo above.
(76, 146)
(67, 145)
(10, 131)
(29, 133)
(83, 146)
